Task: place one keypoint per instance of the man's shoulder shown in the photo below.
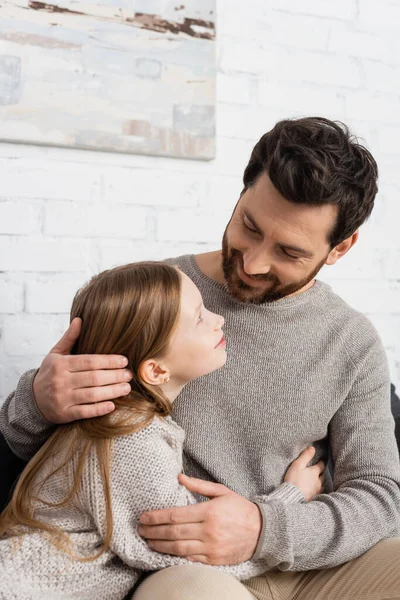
(348, 322)
(184, 262)
(336, 304)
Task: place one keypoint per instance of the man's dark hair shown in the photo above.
(316, 161)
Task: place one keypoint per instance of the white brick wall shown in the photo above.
(65, 214)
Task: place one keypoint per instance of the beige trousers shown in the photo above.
(373, 576)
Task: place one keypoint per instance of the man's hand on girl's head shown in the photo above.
(70, 387)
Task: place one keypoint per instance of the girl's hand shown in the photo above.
(310, 480)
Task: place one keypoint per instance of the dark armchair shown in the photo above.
(396, 414)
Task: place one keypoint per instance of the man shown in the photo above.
(303, 367)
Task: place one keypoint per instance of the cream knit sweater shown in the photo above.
(144, 476)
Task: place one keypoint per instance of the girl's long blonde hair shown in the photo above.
(132, 311)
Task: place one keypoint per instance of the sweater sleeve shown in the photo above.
(286, 492)
(364, 507)
(21, 423)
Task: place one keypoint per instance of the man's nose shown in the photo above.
(256, 263)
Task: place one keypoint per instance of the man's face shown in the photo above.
(273, 248)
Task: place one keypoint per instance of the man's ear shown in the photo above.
(341, 249)
(151, 371)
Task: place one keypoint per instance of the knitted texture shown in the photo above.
(302, 370)
(144, 476)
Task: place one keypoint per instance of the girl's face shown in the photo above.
(197, 346)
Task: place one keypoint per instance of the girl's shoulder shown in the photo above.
(144, 460)
(161, 432)
(148, 460)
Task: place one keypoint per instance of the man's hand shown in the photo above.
(222, 531)
(70, 387)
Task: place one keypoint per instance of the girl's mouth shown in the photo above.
(221, 343)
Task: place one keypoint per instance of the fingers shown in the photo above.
(175, 516)
(95, 362)
(88, 411)
(65, 385)
(205, 488)
(100, 394)
(306, 457)
(191, 531)
(88, 379)
(85, 362)
(64, 345)
(319, 467)
(202, 558)
(321, 484)
(181, 548)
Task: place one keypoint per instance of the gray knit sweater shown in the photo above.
(300, 370)
(144, 476)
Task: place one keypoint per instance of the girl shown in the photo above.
(70, 529)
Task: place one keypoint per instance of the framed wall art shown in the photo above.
(126, 76)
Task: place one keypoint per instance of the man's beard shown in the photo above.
(232, 259)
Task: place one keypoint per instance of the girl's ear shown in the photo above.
(153, 373)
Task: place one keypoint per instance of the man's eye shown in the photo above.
(249, 228)
(289, 255)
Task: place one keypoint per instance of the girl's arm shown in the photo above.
(287, 492)
(144, 476)
(302, 482)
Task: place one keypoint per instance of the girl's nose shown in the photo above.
(219, 322)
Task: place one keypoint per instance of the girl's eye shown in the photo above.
(199, 318)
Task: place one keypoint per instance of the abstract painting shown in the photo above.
(135, 76)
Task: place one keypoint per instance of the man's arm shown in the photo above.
(333, 528)
(365, 505)
(241, 519)
(65, 388)
(222, 531)
(21, 423)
